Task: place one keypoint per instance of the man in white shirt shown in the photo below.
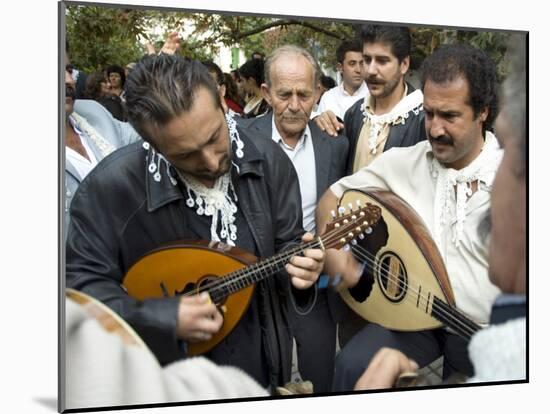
(337, 100)
(291, 89)
(447, 181)
(498, 353)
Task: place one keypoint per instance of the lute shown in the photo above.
(228, 273)
(411, 290)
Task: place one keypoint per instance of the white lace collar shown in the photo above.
(482, 170)
(398, 115)
(218, 202)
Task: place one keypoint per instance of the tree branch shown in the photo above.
(282, 23)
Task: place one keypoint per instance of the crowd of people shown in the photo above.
(175, 149)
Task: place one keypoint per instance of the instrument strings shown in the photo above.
(465, 328)
(328, 239)
(237, 276)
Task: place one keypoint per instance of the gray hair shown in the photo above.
(291, 50)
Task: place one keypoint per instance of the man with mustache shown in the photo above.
(498, 353)
(197, 176)
(448, 182)
(292, 85)
(91, 133)
(391, 114)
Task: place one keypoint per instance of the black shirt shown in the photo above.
(246, 336)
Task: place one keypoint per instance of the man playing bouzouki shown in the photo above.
(196, 176)
(447, 180)
(498, 353)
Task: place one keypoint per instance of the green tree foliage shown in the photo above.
(426, 40)
(99, 36)
(107, 35)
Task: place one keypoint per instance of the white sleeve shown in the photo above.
(101, 370)
(378, 174)
(323, 103)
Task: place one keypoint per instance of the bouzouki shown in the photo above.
(411, 290)
(228, 273)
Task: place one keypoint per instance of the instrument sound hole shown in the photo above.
(212, 284)
(392, 276)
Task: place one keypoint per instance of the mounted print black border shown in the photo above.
(61, 199)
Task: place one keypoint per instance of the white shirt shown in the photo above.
(408, 172)
(303, 159)
(82, 164)
(499, 352)
(338, 100)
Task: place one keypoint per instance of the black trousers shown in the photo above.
(315, 335)
(424, 347)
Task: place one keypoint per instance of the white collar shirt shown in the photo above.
(82, 164)
(303, 159)
(338, 100)
(409, 173)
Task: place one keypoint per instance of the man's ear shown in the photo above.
(265, 93)
(317, 92)
(483, 114)
(404, 65)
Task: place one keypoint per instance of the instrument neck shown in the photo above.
(259, 271)
(454, 319)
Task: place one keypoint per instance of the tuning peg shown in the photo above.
(341, 211)
(346, 247)
(350, 206)
(333, 214)
(354, 242)
(361, 236)
(358, 203)
(368, 230)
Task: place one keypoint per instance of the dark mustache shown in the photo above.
(442, 139)
(375, 81)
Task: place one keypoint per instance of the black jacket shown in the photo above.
(403, 135)
(331, 154)
(120, 212)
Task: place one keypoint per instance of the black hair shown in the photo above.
(450, 62)
(93, 85)
(235, 72)
(231, 90)
(213, 68)
(398, 37)
(159, 88)
(253, 68)
(117, 69)
(348, 46)
(327, 82)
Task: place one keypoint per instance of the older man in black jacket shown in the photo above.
(197, 176)
(291, 89)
